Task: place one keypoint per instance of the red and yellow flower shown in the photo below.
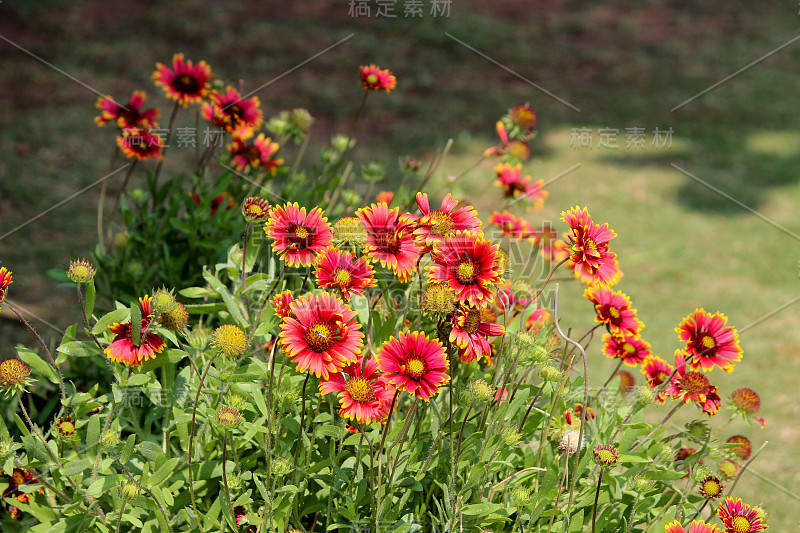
(299, 237)
(232, 113)
(414, 363)
(256, 154)
(323, 336)
(341, 270)
(375, 79)
(123, 350)
(697, 526)
(390, 239)
(127, 116)
(517, 149)
(631, 348)
(613, 308)
(709, 341)
(5, 281)
(467, 262)
(434, 226)
(185, 82)
(514, 184)
(18, 478)
(740, 517)
(590, 257)
(692, 385)
(363, 395)
(512, 226)
(282, 302)
(471, 328)
(141, 143)
(657, 371)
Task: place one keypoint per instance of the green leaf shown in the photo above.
(150, 450)
(106, 320)
(91, 295)
(37, 364)
(35, 448)
(104, 484)
(136, 320)
(128, 449)
(93, 433)
(75, 349)
(232, 306)
(198, 292)
(163, 472)
(73, 468)
(483, 508)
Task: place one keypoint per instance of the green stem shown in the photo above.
(164, 152)
(596, 498)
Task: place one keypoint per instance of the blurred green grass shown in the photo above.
(623, 63)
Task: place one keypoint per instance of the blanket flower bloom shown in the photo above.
(740, 517)
(589, 255)
(141, 143)
(746, 403)
(256, 154)
(414, 363)
(323, 337)
(709, 341)
(390, 239)
(434, 226)
(695, 386)
(341, 270)
(185, 82)
(363, 395)
(514, 184)
(632, 349)
(375, 79)
(467, 262)
(471, 328)
(5, 281)
(127, 116)
(299, 237)
(697, 526)
(613, 309)
(512, 226)
(123, 350)
(657, 371)
(232, 113)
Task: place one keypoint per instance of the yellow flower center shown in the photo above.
(342, 277)
(711, 489)
(472, 322)
(414, 368)
(694, 383)
(228, 417)
(614, 312)
(466, 272)
(372, 79)
(708, 341)
(301, 232)
(438, 298)
(255, 210)
(740, 524)
(629, 348)
(319, 337)
(442, 223)
(66, 428)
(360, 390)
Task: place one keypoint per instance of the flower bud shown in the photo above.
(176, 318)
(129, 490)
(230, 340)
(281, 466)
(301, 119)
(520, 496)
(549, 373)
(80, 271)
(511, 436)
(109, 439)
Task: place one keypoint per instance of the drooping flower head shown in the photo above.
(414, 363)
(613, 308)
(697, 526)
(363, 395)
(632, 349)
(746, 403)
(514, 184)
(232, 113)
(256, 154)
(709, 341)
(472, 327)
(299, 237)
(434, 226)
(657, 371)
(14, 376)
(323, 337)
(127, 116)
(343, 271)
(185, 82)
(375, 79)
(692, 385)
(468, 263)
(5, 281)
(390, 239)
(512, 226)
(743, 449)
(740, 517)
(589, 255)
(123, 350)
(141, 143)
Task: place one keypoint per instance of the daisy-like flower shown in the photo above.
(363, 395)
(229, 111)
(375, 79)
(613, 308)
(414, 363)
(471, 328)
(65, 427)
(539, 318)
(434, 226)
(514, 184)
(605, 455)
(657, 371)
(282, 302)
(18, 478)
(632, 349)
(127, 116)
(299, 237)
(591, 260)
(709, 341)
(740, 517)
(342, 270)
(697, 526)
(123, 350)
(390, 239)
(523, 116)
(519, 150)
(746, 403)
(511, 226)
(743, 449)
(256, 154)
(711, 487)
(323, 337)
(185, 82)
(140, 143)
(695, 386)
(468, 263)
(255, 209)
(5, 281)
